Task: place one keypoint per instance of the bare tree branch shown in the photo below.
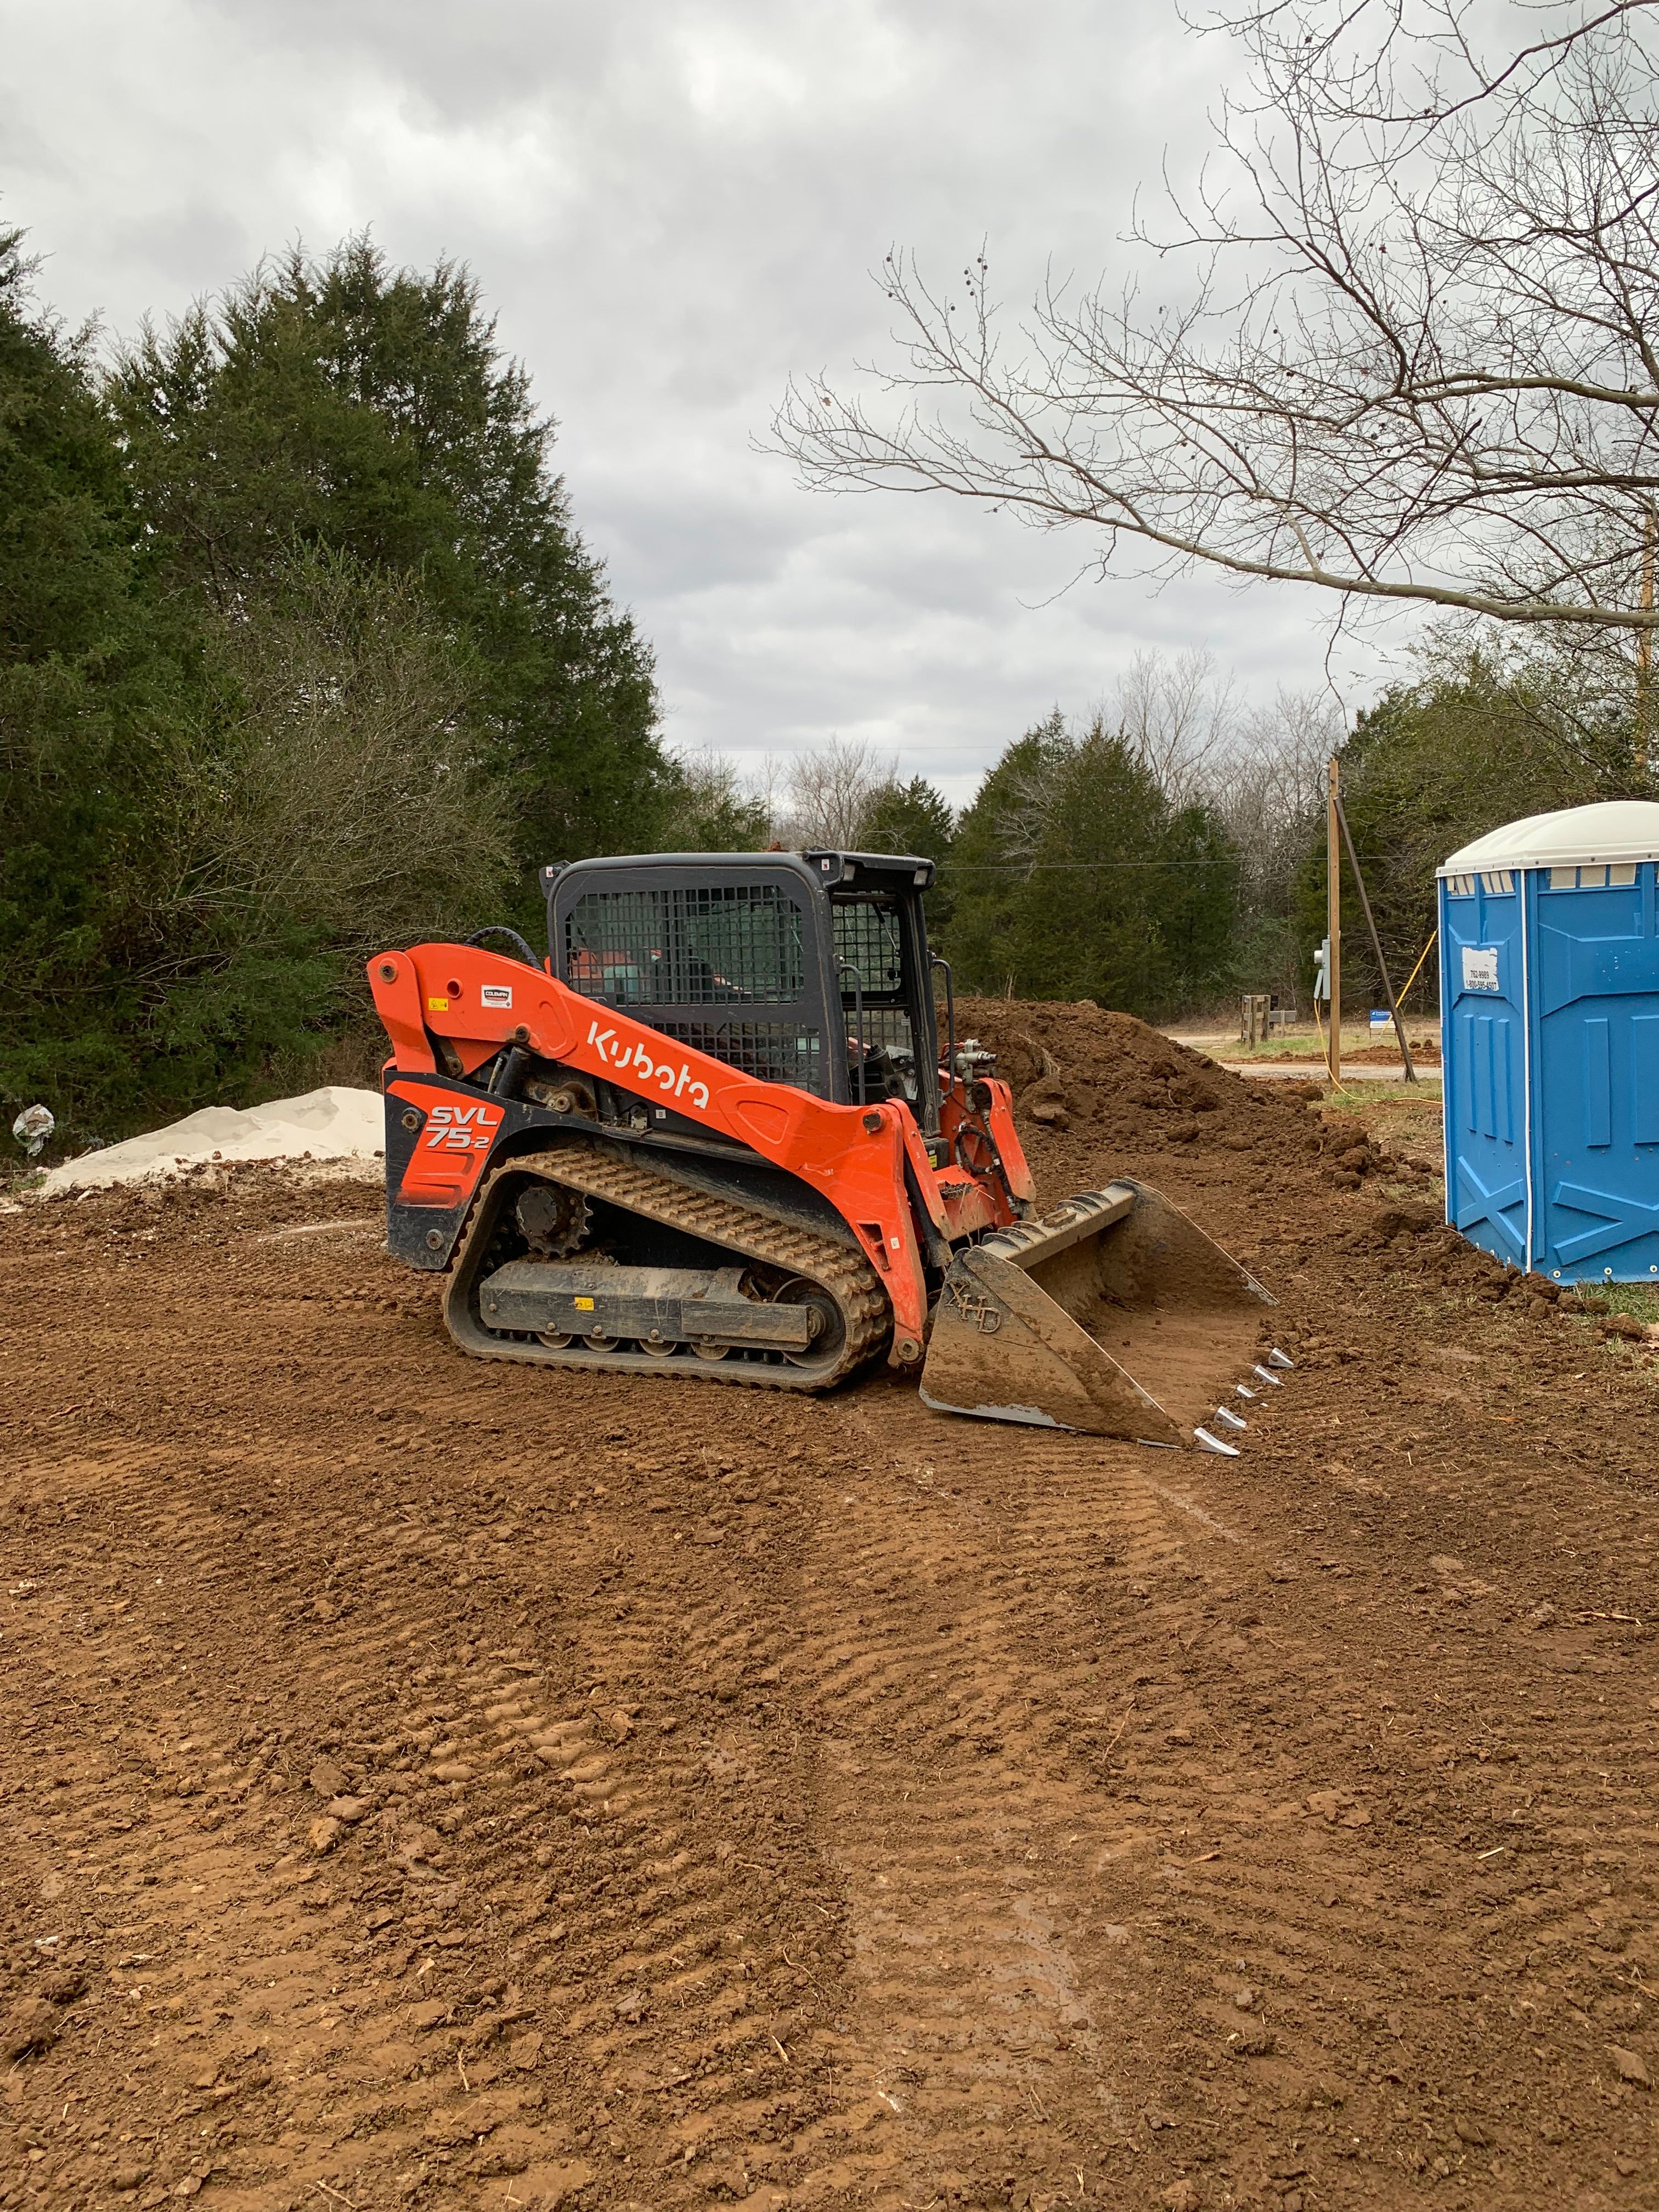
(1404, 343)
(830, 787)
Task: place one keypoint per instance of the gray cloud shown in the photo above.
(674, 205)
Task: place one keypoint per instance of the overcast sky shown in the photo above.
(673, 206)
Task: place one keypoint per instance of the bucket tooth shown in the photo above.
(1206, 1443)
(1229, 1420)
(1277, 1358)
(1267, 1375)
(1243, 1390)
(1112, 1314)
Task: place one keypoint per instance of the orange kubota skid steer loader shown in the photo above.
(712, 1134)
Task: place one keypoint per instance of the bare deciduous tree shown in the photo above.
(1181, 714)
(1272, 798)
(1402, 341)
(829, 790)
(714, 808)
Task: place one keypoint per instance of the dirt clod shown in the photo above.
(32, 2023)
(1250, 2043)
(1623, 1326)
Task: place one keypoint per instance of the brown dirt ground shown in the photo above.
(1425, 1054)
(824, 1802)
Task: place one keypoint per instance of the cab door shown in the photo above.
(1597, 1005)
(1481, 996)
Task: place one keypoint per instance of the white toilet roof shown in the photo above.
(1613, 830)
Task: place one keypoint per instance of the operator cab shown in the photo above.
(810, 969)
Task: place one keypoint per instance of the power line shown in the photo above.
(1097, 867)
(1079, 867)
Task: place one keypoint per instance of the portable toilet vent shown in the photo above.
(1549, 997)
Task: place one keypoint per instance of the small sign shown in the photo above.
(496, 994)
(1480, 968)
(1382, 1020)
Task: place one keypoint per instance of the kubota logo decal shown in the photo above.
(461, 1129)
(637, 1060)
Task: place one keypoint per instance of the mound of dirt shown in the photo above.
(1133, 1086)
(335, 1124)
(1254, 1162)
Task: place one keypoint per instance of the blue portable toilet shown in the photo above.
(1549, 1000)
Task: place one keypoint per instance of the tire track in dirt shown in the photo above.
(741, 1836)
(1404, 1885)
(137, 1865)
(495, 1751)
(988, 2004)
(1289, 1887)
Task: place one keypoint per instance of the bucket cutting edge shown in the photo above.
(1112, 1315)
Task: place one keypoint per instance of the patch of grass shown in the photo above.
(1406, 1117)
(1639, 1300)
(1306, 1045)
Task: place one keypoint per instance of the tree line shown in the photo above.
(1167, 850)
(301, 651)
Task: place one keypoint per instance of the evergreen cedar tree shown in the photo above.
(91, 675)
(1074, 877)
(346, 406)
(335, 444)
(1491, 731)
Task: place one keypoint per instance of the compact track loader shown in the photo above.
(712, 1134)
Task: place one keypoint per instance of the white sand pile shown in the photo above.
(337, 1125)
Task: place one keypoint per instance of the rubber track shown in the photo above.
(849, 1278)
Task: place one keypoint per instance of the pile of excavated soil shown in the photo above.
(337, 1126)
(1130, 1088)
(438, 1785)
(1090, 1084)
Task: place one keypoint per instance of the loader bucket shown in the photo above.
(1113, 1313)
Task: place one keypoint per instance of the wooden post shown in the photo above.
(1334, 920)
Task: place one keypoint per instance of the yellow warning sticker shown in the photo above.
(583, 1305)
(437, 1006)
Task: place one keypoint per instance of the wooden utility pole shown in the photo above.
(1377, 942)
(1334, 918)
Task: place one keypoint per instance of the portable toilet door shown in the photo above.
(1550, 1015)
(1483, 1058)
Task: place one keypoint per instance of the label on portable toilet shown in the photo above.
(1480, 968)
